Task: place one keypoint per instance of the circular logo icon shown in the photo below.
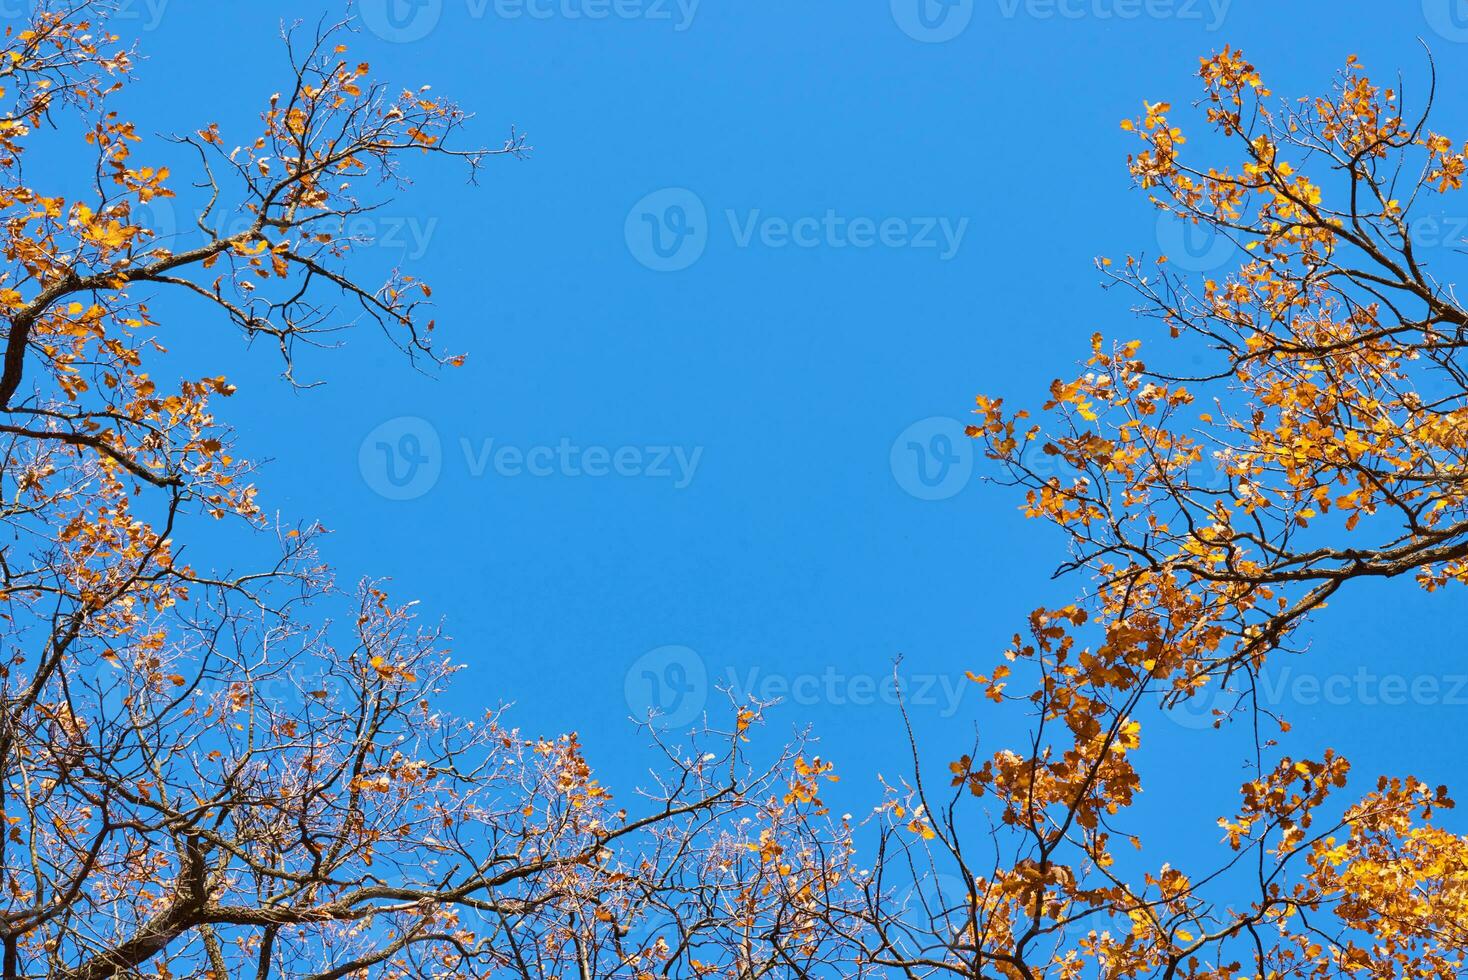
(1432, 231)
(1207, 705)
(111, 681)
(933, 459)
(401, 21)
(667, 686)
(159, 219)
(401, 459)
(1447, 18)
(933, 21)
(668, 230)
(935, 897)
(1192, 247)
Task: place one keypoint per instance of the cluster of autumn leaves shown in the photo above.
(1332, 406)
(199, 777)
(208, 773)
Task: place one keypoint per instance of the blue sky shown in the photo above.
(723, 327)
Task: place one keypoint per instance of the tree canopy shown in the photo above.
(251, 773)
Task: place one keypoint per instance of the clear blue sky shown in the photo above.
(757, 250)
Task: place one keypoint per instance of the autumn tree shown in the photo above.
(251, 773)
(1212, 514)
